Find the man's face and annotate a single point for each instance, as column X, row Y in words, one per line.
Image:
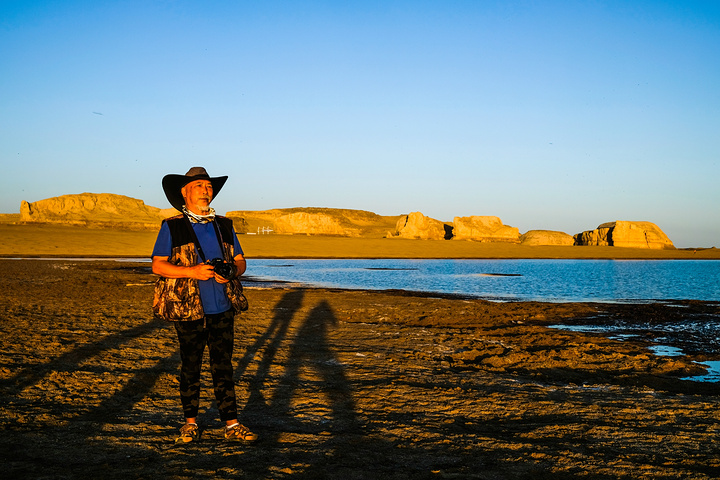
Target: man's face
column 198, row 194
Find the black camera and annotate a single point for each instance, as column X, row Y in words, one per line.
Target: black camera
column 226, row 270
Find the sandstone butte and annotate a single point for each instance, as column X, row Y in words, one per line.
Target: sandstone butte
column 626, row 234
column 546, row 237
column 93, row 209
column 484, row 229
column 118, row 211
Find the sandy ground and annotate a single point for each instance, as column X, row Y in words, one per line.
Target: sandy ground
column 69, row 241
column 344, row 385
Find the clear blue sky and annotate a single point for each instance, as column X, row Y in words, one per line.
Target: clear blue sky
column 556, row 115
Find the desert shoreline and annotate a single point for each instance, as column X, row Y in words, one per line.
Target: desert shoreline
column 54, row 241
column 344, row 384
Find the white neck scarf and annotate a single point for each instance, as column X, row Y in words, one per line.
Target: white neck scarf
column 195, row 218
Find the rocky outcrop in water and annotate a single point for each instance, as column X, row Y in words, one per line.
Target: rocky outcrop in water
column 622, row 233
column 484, row 229
column 546, row 237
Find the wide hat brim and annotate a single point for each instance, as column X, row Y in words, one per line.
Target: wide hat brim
column 173, row 183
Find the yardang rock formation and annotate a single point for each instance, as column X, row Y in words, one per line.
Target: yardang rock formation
column 107, row 210
column 313, row 221
column 418, row 226
column 546, row 237
column 626, row 234
column 94, row 209
column 484, row 229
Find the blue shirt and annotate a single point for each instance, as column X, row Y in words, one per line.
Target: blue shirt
column 212, row 293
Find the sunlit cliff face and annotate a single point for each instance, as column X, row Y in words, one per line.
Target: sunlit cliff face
column 198, row 194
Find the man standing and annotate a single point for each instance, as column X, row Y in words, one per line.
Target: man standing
column 198, row 258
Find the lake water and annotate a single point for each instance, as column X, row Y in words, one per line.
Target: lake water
column 510, row 280
column 632, row 281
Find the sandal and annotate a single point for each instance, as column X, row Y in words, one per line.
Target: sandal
column 239, row 432
column 188, row 433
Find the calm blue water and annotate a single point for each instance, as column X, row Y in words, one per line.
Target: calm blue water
column 511, row 280
column 515, row 280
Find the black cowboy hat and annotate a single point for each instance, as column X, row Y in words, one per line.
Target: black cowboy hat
column 172, row 184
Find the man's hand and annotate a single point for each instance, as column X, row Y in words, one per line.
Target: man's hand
column 161, row 266
column 240, row 265
column 220, row 279
column 202, row 272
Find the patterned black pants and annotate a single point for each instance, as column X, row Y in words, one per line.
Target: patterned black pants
column 216, row 331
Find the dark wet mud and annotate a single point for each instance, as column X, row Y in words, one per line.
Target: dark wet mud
column 346, row 385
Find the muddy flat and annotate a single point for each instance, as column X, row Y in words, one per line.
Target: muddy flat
column 344, row 385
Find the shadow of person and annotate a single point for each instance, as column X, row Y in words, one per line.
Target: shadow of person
column 308, row 399
column 269, row 342
column 310, row 353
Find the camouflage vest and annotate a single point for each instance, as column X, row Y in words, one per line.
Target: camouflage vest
column 178, row 299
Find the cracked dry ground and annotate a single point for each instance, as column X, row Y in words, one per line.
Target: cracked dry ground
column 340, row 384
